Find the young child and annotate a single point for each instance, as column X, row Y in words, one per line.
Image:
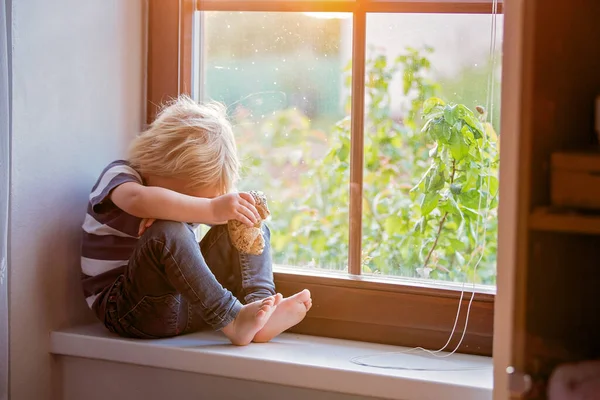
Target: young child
column 144, row 273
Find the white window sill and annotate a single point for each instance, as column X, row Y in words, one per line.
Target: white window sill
column 293, row 360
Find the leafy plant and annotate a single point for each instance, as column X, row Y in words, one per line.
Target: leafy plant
column 457, row 192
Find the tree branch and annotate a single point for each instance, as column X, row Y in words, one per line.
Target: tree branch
column 442, row 221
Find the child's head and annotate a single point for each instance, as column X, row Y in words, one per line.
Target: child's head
column 190, row 142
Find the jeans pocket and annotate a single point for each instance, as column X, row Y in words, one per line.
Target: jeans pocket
column 152, row 317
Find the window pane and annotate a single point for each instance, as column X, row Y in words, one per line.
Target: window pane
column 281, row 76
column 430, row 195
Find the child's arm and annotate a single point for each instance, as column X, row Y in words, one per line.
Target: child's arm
column 153, row 202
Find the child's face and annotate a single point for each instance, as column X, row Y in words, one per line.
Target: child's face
column 181, row 186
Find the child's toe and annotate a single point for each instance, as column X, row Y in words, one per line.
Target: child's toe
column 308, row 304
column 269, row 301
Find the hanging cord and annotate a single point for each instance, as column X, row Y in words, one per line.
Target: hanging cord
column 489, row 106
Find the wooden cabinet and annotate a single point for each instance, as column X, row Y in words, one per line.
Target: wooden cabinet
column 548, row 302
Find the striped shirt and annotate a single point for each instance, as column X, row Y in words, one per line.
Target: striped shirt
column 109, row 233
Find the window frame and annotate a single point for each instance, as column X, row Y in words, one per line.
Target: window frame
column 391, row 311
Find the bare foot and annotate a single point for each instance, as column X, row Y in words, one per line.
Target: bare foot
column 251, row 319
column 289, row 312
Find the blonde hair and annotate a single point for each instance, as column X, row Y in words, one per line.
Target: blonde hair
column 189, row 141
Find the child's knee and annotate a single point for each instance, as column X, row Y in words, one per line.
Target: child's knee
column 217, row 234
column 169, row 229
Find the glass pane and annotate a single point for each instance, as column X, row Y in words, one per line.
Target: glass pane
column 280, row 74
column 430, row 175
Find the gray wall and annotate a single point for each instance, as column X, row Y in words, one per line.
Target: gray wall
column 4, row 183
column 101, row 380
column 77, row 101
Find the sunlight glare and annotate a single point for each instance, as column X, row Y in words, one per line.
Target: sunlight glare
column 328, row 15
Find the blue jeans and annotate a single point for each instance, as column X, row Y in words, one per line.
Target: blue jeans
column 173, row 286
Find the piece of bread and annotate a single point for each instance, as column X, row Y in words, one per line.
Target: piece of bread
column 247, row 239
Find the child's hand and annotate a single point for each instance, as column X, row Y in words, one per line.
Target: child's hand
column 238, row 206
column 145, row 224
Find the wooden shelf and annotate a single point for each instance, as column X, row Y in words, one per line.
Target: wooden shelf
column 562, row 220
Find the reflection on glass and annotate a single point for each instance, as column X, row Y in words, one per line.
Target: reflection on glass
column 281, row 76
column 430, row 175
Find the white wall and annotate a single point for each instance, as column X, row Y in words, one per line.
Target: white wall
column 77, row 101
column 86, row 379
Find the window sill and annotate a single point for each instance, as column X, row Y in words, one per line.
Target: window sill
column 291, row 359
column 406, row 314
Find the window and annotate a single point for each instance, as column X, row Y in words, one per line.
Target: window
column 280, row 74
column 328, row 100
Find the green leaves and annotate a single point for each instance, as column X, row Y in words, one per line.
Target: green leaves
column 429, row 202
column 344, row 151
column 440, row 131
column 436, row 180
column 432, row 104
column 453, row 127
column 458, row 146
column 468, row 117
column 394, row 224
column 455, row 188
